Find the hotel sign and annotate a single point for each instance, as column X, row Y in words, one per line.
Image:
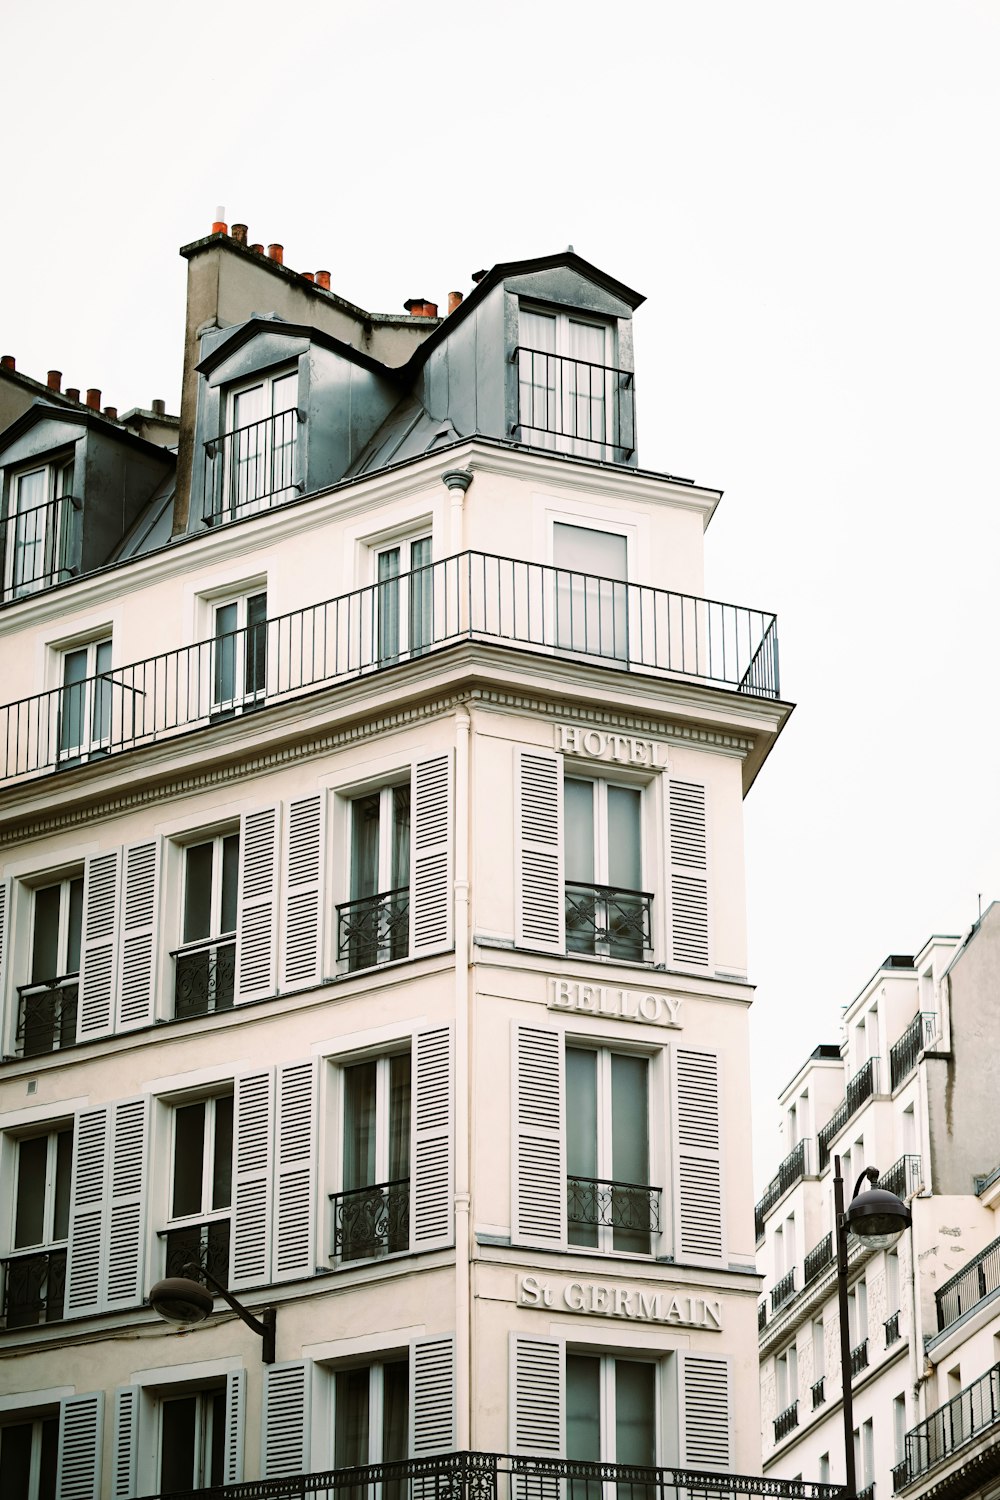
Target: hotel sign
column 615, row 1003
column 609, row 1299
column 619, row 749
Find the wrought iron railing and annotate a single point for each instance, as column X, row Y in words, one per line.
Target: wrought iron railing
column 819, row 1391
column 904, row 1053
column 903, row 1178
column 205, row 1245
column 868, row 1493
column 761, row 1316
column 891, row 1326
column 859, row 1358
column 972, row 1412
column 616, row 1205
column 371, row 1221
column 46, row 1016
column 783, row 1291
column 986, row 1180
column 34, row 1287
column 471, row 596
column 601, row 919
column 39, row 547
column 975, row 1281
column 204, row 977
column 559, row 397
column 859, row 1090
column 791, row 1171
column 252, row 467
column 785, row 1421
column 373, row 929
column 817, row 1259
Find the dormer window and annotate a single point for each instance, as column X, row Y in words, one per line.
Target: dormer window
column 569, row 389
column 40, row 535
column 253, row 464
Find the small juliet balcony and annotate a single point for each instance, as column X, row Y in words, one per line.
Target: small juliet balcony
column 369, row 1222
column 817, row 1259
column 574, row 406
column 783, row 1291
column 46, row 1016
column 252, row 468
column 971, row 1415
column 629, row 1210
column 861, row 1087
column 786, row 1421
column 373, row 930
column 205, row 1244
column 904, row 1053
column 606, row 922
column 40, row 547
column 859, row 1358
column 791, row 1171
column 204, row 977
column 34, row 1287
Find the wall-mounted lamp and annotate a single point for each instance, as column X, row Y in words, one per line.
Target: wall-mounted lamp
column 179, row 1299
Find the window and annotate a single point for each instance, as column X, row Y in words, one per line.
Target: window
column 374, row 926
column 610, row 1204
column 85, row 701
column 568, row 389
column 201, row 1175
column 29, row 1455
column 41, row 532
column 824, row 1468
column 206, row 963
column 786, row 1369
column 405, row 598
column 591, row 590
column 239, row 653
column 192, row 1439
column 47, row 1004
column 610, row 1410
column 899, row 1428
column 35, row 1272
column 259, row 450
column 371, row 1414
column 371, row 1216
column 607, row 912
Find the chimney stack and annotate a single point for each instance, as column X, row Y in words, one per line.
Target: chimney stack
column 454, row 300
column 419, row 307
column 219, row 226
column 72, row 393
column 93, row 398
column 277, row 253
column 54, row 380
column 159, row 406
column 240, row 233
column 323, row 280
column 7, row 362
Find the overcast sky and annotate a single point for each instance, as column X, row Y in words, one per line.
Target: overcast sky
column 807, row 195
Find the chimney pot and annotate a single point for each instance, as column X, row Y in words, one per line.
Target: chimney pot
column 111, row 412
column 240, row 233
column 454, row 300
column 323, row 280
column 7, row 362
column 419, row 307
column 276, row 252
column 478, row 276
column 72, row 392
column 159, row 406
column 54, row 380
column 93, row 398
column 308, row 276
column 257, row 249
column 219, row 224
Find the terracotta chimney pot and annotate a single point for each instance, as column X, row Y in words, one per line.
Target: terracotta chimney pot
column 308, row 276
column 54, row 380
column 455, row 299
column 323, row 280
column 159, row 406
column 93, row 398
column 419, row 307
column 240, row 233
column 276, row 252
column 111, row 412
column 219, row 224
column 7, row 362
column 72, row 393
column 257, row 249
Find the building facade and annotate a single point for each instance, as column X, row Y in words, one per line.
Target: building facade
column 909, row 1090
column 373, row 910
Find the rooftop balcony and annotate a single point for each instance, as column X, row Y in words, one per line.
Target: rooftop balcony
column 972, row 1285
column 860, row 1088
column 473, row 596
column 792, row 1170
column 954, row 1427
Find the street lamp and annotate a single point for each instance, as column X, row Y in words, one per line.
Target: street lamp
column 877, row 1218
column 180, row 1300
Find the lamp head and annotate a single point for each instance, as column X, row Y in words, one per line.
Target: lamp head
column 877, row 1218
column 181, row 1301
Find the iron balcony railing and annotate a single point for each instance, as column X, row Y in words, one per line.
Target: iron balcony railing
column 783, row 1291
column 819, row 1391
column 965, row 1290
column 34, row 1287
column 903, row 1178
column 40, row 547
column 986, row 1180
column 603, row 920
column 473, row 596
column 573, row 399
column 373, row 929
column 46, row 1016
column 904, row 1053
column 785, row 1421
column 891, row 1326
column 868, row 1493
column 371, row 1221
column 499, row 1476
column 252, row 467
column 791, row 1171
column 627, row 1206
column 761, row 1316
column 204, row 977
column 817, row 1259
column 205, row 1244
column 859, row 1358
column 974, row 1411
column 859, row 1090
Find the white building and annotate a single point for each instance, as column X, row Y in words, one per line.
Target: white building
column 372, row 864
column 911, row 1091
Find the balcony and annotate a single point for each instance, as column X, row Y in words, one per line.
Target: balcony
column 868, row 1493
column 859, row 1358
column 786, row 1421
column 783, row 1291
column 34, row 1288
column 608, row 922
column 473, row 596
column 205, row 1244
column 956, row 1424
column 371, row 1221
column 891, row 1327
column 204, row 977
column 970, row 1286
column 859, row 1090
column 630, row 1209
column 46, row 1016
column 903, row 1178
column 904, row 1053
column 818, row 1258
column 761, row 1316
column 40, row 547
column 818, row 1392
column 574, row 406
column 373, row 929
column 252, row 468
column 791, row 1171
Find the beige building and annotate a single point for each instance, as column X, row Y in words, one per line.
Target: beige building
column 374, row 929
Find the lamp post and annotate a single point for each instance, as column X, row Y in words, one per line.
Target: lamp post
column 180, row 1300
column 877, row 1218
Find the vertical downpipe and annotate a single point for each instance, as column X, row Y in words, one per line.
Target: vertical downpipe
column 463, row 1228
column 457, row 481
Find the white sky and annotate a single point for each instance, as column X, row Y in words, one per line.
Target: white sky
column 806, row 193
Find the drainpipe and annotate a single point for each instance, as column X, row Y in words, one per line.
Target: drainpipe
column 463, row 1228
column 457, row 481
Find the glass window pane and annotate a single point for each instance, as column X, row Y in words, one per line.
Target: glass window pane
column 255, row 666
column 64, row 1173
column 45, row 944
column 359, row 1126
column 230, row 881
column 395, row 1401
column 198, row 892
column 388, row 603
column 579, row 822
column 222, row 1161
column 635, row 1412
column 215, row 1405
column 101, row 715
column 29, row 1220
column 351, row 1424
column 581, row 1112
column 15, row 1461
column 583, row 1408
column 624, row 838
column 225, row 654
column 284, row 392
column 399, row 1117
column 189, row 1157
column 75, row 926
column 588, row 551
column 48, row 1469
column 178, row 1429
column 629, row 1118
column 400, row 872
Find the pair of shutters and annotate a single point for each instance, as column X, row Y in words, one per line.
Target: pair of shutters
column 126, row 1480
column 538, row 1112
column 107, row 1227
column 538, row 1402
column 539, row 868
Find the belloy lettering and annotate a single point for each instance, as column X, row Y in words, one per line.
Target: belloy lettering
column 620, row 1004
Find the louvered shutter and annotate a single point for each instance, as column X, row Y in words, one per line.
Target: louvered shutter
column 432, row 1399
column 706, row 1417
column 689, row 931
column 126, row 1452
column 285, row 1430
column 698, row 1156
column 252, row 1134
column 81, row 1433
column 126, row 1212
column 6, row 898
column 432, row 1171
column 236, row 1401
column 84, row 1282
column 257, row 905
column 305, row 858
column 538, row 1190
column 138, row 931
column 539, row 895
column 294, row 1231
column 431, row 856
column 98, row 960
column 537, row 1396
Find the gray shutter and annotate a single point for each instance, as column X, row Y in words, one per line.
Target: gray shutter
column 706, row 1416
column 84, row 1281
column 537, row 1396
column 81, row 1434
column 538, row 1155
column 257, row 905
column 126, row 1452
column 252, row 1133
column 432, row 797
column 236, row 1401
column 432, row 1396
column 305, row 859
column 98, row 960
column 539, row 895
column 285, row 1429
column 127, row 1204
column 432, row 1184
column 689, row 946
column 698, row 1156
column 294, row 1228
column 138, row 931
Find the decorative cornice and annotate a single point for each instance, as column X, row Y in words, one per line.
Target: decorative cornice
column 629, row 723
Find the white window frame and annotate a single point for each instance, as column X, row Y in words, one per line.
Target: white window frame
column 383, row 1061
column 90, row 703
column 242, row 696
column 216, row 937
column 386, row 829
column 233, row 480
column 49, row 1130
column 36, row 1420
column 607, row 1360
column 48, row 533
column 376, row 1399
column 203, row 1392
column 400, row 585
column 202, row 1215
column 560, row 384
column 574, row 771
column 605, row 1140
